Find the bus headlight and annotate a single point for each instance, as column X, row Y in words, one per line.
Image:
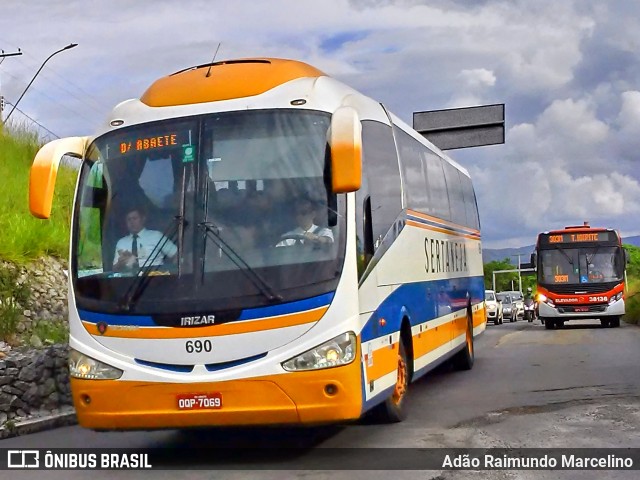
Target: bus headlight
column 615, row 298
column 542, row 297
column 338, row 351
column 87, row 368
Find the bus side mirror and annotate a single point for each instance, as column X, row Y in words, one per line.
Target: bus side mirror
column 345, row 142
column 534, row 260
column 44, row 171
column 627, row 256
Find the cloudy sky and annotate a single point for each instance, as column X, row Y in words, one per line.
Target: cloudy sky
column 568, row 72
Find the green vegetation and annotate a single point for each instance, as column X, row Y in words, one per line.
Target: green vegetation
column 14, row 295
column 633, row 287
column 55, row 331
column 23, row 237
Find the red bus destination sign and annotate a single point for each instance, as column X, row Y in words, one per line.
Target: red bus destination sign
column 578, row 237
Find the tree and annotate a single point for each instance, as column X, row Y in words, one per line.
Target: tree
column 503, row 280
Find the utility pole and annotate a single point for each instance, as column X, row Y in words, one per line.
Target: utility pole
column 2, row 57
column 519, row 275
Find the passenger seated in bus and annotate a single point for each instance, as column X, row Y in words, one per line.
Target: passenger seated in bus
column 306, row 231
column 133, row 250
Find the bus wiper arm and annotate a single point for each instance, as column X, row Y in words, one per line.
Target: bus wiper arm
column 260, row 283
column 141, row 281
column 565, row 255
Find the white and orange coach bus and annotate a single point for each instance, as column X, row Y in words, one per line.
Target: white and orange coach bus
column 254, row 242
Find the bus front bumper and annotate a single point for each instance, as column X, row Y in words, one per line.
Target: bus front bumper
column 563, row 311
column 293, row 398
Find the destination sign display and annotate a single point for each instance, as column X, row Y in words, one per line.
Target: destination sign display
column 141, row 144
column 578, row 237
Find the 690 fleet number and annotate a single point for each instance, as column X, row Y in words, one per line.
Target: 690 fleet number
column 198, row 346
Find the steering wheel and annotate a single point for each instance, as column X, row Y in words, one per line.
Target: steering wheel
column 302, row 241
column 292, row 236
column 297, row 237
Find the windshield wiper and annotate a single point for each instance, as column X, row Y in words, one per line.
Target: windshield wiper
column 589, row 258
column 260, row 283
column 141, row 281
column 565, row 255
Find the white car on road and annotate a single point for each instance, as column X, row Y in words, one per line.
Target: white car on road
column 493, row 307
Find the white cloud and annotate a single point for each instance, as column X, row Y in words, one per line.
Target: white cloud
column 478, row 77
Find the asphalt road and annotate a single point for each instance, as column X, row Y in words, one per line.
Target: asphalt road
column 577, row 387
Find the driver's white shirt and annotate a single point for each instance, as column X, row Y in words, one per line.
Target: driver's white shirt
column 315, row 229
column 147, row 241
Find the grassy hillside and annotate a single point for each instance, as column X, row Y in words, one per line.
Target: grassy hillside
column 23, row 237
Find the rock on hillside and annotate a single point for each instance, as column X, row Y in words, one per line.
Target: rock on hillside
column 48, row 300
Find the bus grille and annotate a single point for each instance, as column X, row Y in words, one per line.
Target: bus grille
column 166, row 366
column 212, row 367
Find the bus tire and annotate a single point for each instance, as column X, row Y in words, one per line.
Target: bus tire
column 615, row 322
column 548, row 324
column 605, row 322
column 393, row 409
column 464, row 359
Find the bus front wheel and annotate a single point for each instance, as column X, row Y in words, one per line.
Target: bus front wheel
column 610, row 322
column 393, row 409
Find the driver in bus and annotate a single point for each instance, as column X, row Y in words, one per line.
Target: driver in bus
column 307, row 232
column 133, row 251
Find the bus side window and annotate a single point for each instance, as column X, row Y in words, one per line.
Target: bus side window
column 415, row 183
column 380, row 182
column 454, row 189
column 439, row 199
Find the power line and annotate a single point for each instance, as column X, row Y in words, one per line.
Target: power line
column 33, row 120
column 84, row 97
column 99, row 107
column 63, row 105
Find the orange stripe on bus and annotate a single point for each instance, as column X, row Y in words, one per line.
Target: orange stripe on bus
column 385, row 360
column 479, row 317
column 431, row 338
column 271, row 323
column 442, row 222
column 441, row 230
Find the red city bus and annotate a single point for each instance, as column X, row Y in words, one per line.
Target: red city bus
column 581, row 275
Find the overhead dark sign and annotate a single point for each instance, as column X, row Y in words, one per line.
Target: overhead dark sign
column 462, row 127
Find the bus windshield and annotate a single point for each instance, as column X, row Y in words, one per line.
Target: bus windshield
column 213, row 213
column 581, row 265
